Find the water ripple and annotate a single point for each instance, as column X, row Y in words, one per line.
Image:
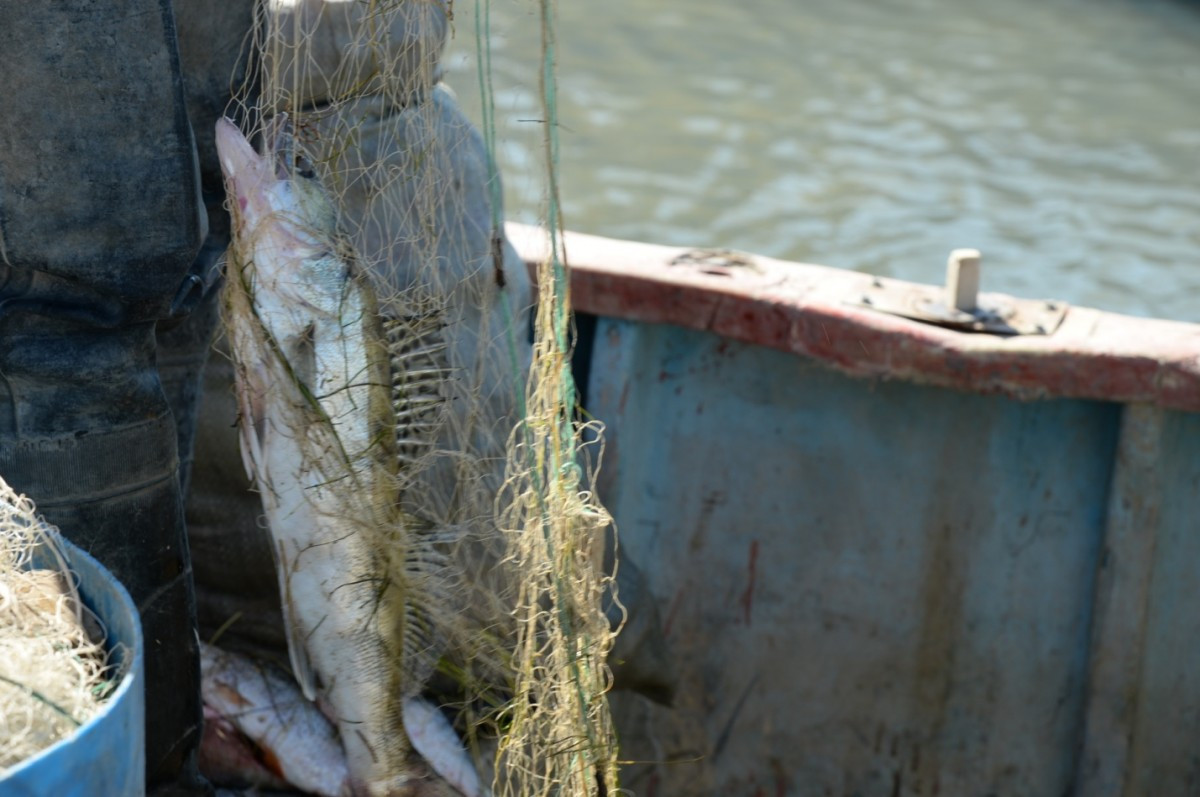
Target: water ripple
column 1061, row 137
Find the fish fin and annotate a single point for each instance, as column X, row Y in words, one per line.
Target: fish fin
column 419, row 372
column 434, row 738
column 302, row 668
column 302, row 359
column 429, row 609
column 252, row 427
column 420, row 369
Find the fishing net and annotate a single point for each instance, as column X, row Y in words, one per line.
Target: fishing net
column 500, row 539
column 53, row 674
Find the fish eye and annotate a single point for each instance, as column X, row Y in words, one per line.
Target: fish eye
column 303, row 167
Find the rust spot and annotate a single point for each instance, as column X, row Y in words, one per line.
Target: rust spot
column 748, row 595
column 943, row 584
column 782, row 783
column 708, row 505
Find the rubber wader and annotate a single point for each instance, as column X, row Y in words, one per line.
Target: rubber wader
column 100, row 222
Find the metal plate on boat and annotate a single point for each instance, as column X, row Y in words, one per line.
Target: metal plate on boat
column 994, row 314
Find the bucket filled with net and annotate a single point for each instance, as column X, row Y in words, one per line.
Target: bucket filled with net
column 71, row 703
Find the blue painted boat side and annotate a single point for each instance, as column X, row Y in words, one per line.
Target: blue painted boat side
column 878, row 587
column 1163, row 705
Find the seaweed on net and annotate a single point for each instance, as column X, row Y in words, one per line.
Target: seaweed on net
column 486, row 445
column 54, row 670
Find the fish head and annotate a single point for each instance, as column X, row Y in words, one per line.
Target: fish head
column 278, row 186
column 283, row 221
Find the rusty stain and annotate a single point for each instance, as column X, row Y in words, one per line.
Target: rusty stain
column 941, row 598
column 782, row 782
column 748, row 595
column 708, row 504
column 652, row 785
column 614, row 336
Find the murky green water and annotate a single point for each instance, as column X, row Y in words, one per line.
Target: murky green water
column 1060, row 137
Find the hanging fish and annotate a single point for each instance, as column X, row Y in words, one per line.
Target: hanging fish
column 334, row 400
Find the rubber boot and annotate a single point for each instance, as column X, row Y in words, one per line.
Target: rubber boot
column 185, row 341
column 212, row 52
column 99, row 224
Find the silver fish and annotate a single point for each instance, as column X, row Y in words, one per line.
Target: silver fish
column 298, row 742
column 315, row 386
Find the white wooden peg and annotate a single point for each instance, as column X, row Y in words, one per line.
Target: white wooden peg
column 962, row 279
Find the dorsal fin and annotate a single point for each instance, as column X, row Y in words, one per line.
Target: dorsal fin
column 420, row 369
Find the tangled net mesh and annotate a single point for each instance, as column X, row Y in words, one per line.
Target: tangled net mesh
column 493, row 462
column 54, row 672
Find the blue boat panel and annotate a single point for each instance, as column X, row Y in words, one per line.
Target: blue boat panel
column 1165, row 713
column 869, row 587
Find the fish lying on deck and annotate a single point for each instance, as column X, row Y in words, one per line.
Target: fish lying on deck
column 320, row 385
column 298, row 745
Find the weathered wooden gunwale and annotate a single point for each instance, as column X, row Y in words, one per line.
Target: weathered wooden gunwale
column 803, row 308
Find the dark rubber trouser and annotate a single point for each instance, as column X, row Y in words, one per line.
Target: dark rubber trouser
column 100, row 221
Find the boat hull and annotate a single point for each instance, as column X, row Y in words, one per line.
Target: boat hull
column 903, row 560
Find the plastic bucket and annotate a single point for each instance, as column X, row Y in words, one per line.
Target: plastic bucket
column 106, row 756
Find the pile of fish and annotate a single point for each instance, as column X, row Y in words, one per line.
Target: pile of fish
column 333, row 399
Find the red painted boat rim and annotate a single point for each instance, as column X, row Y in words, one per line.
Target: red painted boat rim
column 804, row 309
